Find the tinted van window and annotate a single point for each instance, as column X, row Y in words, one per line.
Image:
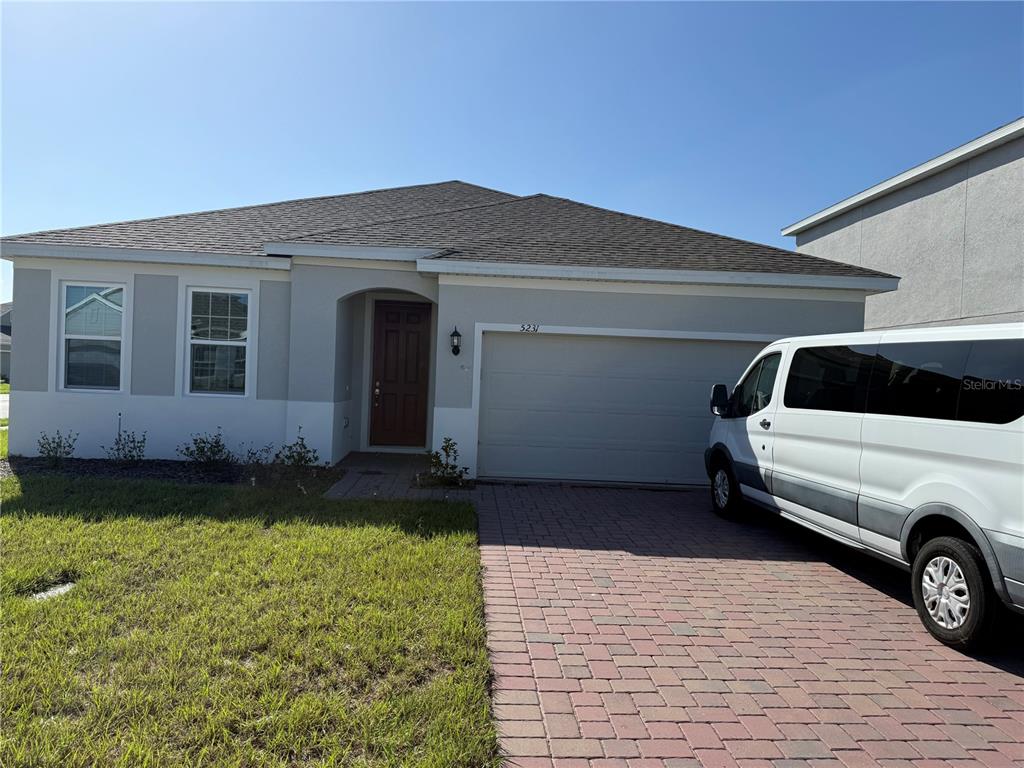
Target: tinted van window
column 829, row 378
column 992, row 390
column 766, row 381
column 920, row 379
column 745, row 392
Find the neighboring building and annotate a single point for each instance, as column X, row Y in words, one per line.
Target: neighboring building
column 952, row 229
column 6, row 310
column 589, row 339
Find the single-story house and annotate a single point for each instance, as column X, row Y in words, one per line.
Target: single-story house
column 952, row 228
column 549, row 338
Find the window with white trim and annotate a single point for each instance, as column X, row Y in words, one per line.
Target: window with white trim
column 218, row 341
column 93, row 325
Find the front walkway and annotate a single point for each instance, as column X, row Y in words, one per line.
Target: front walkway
column 389, row 476
column 635, row 628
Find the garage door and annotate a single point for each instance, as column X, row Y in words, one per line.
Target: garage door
column 600, row 408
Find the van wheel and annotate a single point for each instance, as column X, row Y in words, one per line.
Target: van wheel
column 951, row 592
column 725, row 491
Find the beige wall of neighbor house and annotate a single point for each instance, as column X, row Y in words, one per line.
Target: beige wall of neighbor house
column 954, row 237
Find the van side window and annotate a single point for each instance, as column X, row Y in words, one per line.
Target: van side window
column 830, row 378
column 766, row 381
column 919, row 379
column 992, row 390
column 754, row 393
column 743, row 396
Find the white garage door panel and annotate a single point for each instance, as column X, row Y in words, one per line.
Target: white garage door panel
column 598, row 408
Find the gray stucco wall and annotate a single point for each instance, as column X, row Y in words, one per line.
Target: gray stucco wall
column 464, row 306
column 315, row 320
column 956, row 239
column 30, row 346
column 154, row 334
column 273, row 338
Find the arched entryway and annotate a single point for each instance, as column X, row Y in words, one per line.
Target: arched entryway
column 384, row 362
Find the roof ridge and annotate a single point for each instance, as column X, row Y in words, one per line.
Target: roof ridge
column 171, row 216
column 515, row 199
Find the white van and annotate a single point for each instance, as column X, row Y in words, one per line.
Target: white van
column 908, row 444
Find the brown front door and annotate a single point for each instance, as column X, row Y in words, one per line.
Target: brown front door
column 401, row 372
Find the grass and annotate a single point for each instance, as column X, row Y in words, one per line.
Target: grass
column 228, row 626
column 5, row 388
column 3, row 444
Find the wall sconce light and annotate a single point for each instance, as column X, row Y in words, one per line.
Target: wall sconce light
column 456, row 341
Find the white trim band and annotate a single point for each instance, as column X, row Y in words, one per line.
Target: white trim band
column 702, row 277
column 95, row 253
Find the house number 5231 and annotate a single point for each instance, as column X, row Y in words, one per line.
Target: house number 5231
column 529, row 328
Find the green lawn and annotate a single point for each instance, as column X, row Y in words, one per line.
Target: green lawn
column 5, row 388
column 227, row 626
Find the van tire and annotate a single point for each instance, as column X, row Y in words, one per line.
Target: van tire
column 944, row 562
column 726, row 499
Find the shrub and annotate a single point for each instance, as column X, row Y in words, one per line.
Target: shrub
column 207, row 449
column 255, row 457
column 128, row 448
column 58, row 447
column 297, row 454
column 444, row 464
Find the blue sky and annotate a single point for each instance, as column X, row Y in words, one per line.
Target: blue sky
column 735, row 118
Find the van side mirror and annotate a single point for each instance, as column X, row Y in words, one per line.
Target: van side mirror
column 719, row 399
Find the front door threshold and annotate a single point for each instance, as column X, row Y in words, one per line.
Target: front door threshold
column 394, row 449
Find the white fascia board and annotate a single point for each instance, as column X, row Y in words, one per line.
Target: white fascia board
column 325, row 250
column 152, row 256
column 701, row 277
column 970, row 149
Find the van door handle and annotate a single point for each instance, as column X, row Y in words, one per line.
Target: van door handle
column 765, row 423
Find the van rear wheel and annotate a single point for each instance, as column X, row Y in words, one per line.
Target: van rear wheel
column 725, row 491
column 951, row 593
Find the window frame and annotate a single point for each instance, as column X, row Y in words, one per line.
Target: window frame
column 124, row 338
column 189, row 341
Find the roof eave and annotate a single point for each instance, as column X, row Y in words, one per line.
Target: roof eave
column 867, row 283
column 10, row 249
column 971, row 149
column 328, row 250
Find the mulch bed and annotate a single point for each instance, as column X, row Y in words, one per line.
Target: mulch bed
column 151, row 469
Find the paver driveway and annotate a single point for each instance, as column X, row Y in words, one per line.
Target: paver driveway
column 635, row 628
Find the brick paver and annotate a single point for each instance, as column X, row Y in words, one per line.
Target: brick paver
column 633, row 628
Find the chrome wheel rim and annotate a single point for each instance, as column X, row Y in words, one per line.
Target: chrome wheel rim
column 721, row 489
column 945, row 591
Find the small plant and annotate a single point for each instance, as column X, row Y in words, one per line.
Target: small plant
column 254, row 461
column 255, row 457
column 207, row 449
column 57, row 447
column 128, row 448
column 444, row 464
column 297, row 454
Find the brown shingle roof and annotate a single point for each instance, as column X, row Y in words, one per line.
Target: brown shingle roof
column 541, row 229
column 462, row 222
column 244, row 230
